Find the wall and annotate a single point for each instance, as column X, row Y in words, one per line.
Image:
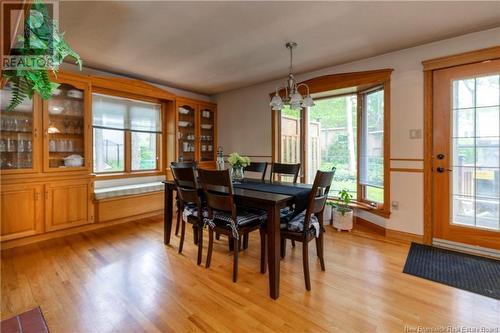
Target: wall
column 245, row 113
column 179, row 92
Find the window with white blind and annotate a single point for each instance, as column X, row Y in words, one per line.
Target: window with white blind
column 126, row 134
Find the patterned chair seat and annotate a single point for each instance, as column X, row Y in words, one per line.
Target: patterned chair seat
column 244, row 217
column 192, row 210
column 296, row 224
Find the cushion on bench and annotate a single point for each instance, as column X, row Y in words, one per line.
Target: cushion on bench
column 131, row 189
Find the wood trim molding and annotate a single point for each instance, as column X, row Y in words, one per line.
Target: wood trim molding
column 490, row 53
column 131, row 86
column 406, row 170
column 403, row 236
column 345, row 80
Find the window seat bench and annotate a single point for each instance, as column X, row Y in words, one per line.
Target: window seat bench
column 128, row 198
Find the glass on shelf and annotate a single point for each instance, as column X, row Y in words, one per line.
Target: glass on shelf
column 66, row 127
column 207, row 125
column 16, row 132
column 186, row 129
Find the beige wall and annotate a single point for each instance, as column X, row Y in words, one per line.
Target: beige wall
column 245, row 118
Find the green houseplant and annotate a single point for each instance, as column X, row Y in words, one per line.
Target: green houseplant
column 237, row 163
column 343, row 215
column 26, row 79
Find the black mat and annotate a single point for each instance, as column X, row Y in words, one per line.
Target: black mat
column 464, row 271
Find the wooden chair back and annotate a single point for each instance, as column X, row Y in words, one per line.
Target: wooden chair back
column 218, row 189
column 186, row 184
column 285, row 169
column 260, row 167
column 318, row 196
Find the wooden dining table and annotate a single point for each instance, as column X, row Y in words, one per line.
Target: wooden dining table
column 266, row 200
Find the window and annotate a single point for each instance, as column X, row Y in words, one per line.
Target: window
column 332, row 141
column 125, row 127
column 346, row 129
column 371, row 162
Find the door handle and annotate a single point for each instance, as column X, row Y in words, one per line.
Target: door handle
column 440, row 169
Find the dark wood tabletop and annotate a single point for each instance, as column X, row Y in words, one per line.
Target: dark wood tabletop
column 271, row 202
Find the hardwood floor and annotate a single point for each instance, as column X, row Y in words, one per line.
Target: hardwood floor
column 123, row 279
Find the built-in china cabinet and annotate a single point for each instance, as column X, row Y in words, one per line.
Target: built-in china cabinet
column 45, row 160
column 46, row 157
column 196, row 131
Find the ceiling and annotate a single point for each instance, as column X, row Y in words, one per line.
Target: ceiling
column 212, row 47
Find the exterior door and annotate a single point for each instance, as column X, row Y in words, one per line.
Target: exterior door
column 466, row 154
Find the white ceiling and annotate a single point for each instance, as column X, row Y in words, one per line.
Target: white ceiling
column 211, row 47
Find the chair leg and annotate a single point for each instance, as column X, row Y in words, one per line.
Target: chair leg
column 178, row 221
column 293, row 243
column 183, row 232
column 210, row 247
column 320, row 244
column 245, row 242
column 263, row 255
column 305, row 261
column 236, row 246
column 282, row 247
column 195, row 234
column 199, row 231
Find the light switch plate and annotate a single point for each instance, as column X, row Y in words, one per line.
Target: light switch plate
column 416, row 133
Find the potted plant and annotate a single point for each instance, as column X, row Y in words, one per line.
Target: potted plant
column 237, row 163
column 343, row 214
column 26, row 79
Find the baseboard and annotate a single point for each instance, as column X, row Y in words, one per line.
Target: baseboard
column 387, row 233
column 365, row 224
column 471, row 249
column 71, row 231
column 404, row 236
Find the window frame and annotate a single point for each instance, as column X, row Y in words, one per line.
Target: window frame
column 127, row 147
column 362, row 82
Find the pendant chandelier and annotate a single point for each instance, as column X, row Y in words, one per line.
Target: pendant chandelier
column 293, row 98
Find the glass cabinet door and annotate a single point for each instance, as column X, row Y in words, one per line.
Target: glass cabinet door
column 65, row 128
column 17, row 134
column 186, row 132
column 207, row 134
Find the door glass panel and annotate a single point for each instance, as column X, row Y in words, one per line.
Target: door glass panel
column 476, row 152
column 66, row 127
column 16, row 135
column 207, row 130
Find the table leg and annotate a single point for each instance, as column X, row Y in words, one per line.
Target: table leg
column 273, row 254
column 167, row 214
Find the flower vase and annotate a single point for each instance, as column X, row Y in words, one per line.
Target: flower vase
column 237, row 172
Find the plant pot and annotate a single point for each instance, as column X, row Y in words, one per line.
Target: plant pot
column 343, row 222
column 327, row 215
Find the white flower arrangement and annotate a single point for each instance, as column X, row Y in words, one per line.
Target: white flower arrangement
column 237, row 161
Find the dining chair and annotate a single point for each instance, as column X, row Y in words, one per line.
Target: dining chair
column 285, row 169
column 191, row 164
column 227, row 219
column 190, row 204
column 260, row 167
column 308, row 225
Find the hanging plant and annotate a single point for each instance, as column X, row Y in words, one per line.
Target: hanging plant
column 26, row 79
